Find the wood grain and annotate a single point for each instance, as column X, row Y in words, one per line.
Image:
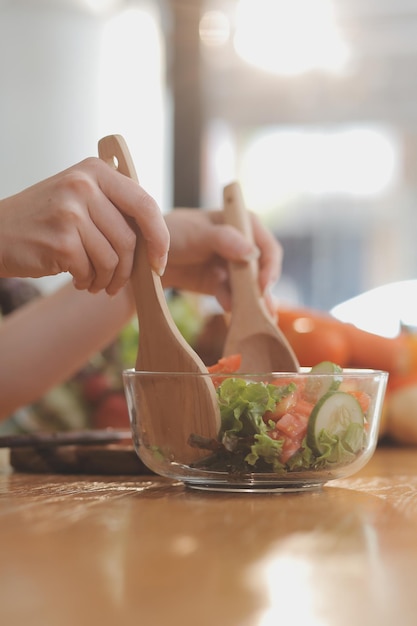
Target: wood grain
column 145, row 550
column 252, row 332
column 170, row 407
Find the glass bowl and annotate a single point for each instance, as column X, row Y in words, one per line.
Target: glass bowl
column 274, row 432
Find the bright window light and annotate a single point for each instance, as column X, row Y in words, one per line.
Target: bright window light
column 132, row 92
column 284, row 574
column 382, row 310
column 290, row 36
column 98, row 6
column 220, row 166
column 214, row 28
column 279, row 165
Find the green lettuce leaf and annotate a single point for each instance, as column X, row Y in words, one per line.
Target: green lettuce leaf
column 303, row 459
column 267, row 449
column 242, row 405
column 339, row 449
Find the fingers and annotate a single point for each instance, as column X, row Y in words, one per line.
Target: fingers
column 106, row 269
column 112, row 245
column 135, row 203
column 230, row 244
column 84, row 221
column 221, row 290
column 111, row 207
column 202, row 246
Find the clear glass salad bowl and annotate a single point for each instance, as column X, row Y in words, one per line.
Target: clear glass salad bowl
column 274, row 432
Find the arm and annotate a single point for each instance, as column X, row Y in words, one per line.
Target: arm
column 48, row 340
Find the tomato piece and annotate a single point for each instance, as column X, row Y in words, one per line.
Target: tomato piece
column 281, row 408
column 289, row 448
column 293, row 425
column 303, row 408
column 226, row 365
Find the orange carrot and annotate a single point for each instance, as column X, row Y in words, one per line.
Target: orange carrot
column 316, row 336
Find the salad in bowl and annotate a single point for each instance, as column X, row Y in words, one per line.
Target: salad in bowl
column 278, row 431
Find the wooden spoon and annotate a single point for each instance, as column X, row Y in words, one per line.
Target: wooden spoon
column 172, row 407
column 252, row 332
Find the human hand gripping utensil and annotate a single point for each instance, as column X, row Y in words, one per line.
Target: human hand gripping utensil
column 187, row 403
column 252, row 331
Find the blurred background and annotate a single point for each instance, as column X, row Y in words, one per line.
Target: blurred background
column 311, row 104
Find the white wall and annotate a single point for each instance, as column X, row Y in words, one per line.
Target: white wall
column 48, row 82
column 61, row 65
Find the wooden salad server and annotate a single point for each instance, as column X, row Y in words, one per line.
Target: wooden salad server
column 252, row 331
column 188, row 404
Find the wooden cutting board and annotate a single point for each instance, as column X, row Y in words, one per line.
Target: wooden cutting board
column 108, row 452
column 109, row 459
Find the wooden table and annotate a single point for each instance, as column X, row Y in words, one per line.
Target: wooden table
column 145, row 551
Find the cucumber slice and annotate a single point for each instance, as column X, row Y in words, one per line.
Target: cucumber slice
column 334, row 413
column 317, row 387
column 326, row 367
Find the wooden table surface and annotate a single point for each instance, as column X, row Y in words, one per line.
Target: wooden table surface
column 146, row 551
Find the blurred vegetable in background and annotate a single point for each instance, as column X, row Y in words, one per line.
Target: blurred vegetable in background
column 187, row 315
column 14, row 292
column 93, row 398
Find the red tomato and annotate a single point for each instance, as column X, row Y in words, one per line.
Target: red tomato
column 281, row 408
column 111, row 412
column 303, row 408
column 225, row 365
column 289, row 448
column 292, row 425
column 95, row 385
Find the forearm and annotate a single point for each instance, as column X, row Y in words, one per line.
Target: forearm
column 51, row 338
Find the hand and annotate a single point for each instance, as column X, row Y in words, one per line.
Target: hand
column 78, row 222
column 202, row 245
